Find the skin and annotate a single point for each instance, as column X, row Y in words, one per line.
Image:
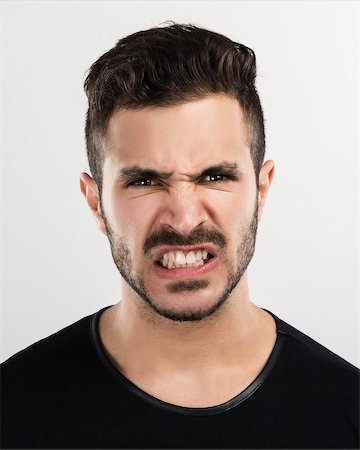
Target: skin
column 181, row 340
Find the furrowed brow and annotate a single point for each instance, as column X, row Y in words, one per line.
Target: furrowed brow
column 135, row 172
column 227, row 168
column 130, row 173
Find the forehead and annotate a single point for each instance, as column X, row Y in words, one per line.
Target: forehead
column 180, row 138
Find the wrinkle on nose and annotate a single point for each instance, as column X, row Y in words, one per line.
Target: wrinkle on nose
column 183, row 210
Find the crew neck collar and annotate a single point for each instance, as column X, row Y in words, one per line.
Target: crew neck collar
column 211, row 410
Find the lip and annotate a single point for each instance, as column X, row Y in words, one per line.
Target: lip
column 185, row 248
column 186, row 272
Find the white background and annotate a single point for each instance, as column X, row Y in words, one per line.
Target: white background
column 56, row 265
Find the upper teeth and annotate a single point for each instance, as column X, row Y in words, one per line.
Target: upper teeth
column 179, row 259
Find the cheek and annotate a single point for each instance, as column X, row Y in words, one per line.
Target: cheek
column 134, row 217
column 140, row 212
column 230, row 210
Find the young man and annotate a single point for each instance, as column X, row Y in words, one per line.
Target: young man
column 175, row 142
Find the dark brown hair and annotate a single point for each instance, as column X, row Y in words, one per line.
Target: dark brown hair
column 165, row 66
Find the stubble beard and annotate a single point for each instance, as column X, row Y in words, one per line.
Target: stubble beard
column 123, row 261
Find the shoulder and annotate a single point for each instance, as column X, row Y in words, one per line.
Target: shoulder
column 315, row 351
column 46, row 386
column 50, row 356
column 311, row 364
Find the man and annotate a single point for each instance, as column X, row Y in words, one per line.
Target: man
column 175, row 142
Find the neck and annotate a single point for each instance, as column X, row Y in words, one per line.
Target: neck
column 228, row 337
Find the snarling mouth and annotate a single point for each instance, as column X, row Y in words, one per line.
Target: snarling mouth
column 179, row 259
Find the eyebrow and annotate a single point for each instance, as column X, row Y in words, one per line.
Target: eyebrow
column 125, row 174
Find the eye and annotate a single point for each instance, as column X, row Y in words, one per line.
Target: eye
column 216, row 177
column 141, row 182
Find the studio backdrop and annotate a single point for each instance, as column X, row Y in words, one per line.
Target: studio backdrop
column 57, row 266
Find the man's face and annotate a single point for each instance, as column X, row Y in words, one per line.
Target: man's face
column 197, row 203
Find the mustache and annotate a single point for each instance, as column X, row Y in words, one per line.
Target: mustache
column 196, row 237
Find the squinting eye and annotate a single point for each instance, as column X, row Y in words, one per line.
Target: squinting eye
column 143, row 182
column 215, row 177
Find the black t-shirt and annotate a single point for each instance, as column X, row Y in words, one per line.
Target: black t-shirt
column 63, row 392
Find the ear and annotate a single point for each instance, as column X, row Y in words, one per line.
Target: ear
column 90, row 191
column 265, row 179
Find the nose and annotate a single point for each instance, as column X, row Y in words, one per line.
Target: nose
column 183, row 210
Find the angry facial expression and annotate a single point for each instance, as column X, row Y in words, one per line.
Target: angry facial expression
column 180, row 204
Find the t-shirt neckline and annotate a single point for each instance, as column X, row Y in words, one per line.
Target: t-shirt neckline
column 211, row 410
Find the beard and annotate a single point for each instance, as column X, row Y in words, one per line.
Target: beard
column 123, row 261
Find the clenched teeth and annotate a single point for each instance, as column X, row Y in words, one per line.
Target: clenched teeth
column 179, row 259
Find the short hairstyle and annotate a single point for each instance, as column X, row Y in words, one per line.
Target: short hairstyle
column 166, row 66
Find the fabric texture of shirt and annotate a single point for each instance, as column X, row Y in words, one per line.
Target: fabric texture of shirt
column 64, row 392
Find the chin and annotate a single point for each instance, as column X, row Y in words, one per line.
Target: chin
column 188, row 308
column 188, row 314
